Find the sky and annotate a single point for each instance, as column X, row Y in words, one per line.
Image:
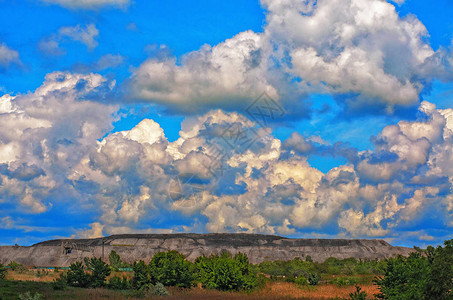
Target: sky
column 298, row 118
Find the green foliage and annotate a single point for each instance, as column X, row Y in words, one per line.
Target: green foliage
column 115, row 261
column 17, row 267
column 160, row 290
column 60, row 283
column 228, row 274
column 405, row 278
column 425, row 274
column 141, row 275
column 358, row 294
column 314, row 278
column 171, row 269
column 440, row 283
column 31, row 296
column 77, row 277
column 99, row 271
column 313, row 270
column 225, row 273
column 345, row 281
column 301, row 280
column 3, row 271
column 117, row 283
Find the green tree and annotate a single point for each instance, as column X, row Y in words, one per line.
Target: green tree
column 225, row 273
column 171, row 269
column 141, row 275
column 99, row 271
column 405, row 278
column 440, row 282
column 115, row 261
column 77, row 277
column 229, row 276
column 117, row 283
column 206, row 272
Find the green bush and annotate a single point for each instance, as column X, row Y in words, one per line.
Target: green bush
column 301, row 280
column 171, row 269
column 423, row 275
column 117, row 283
column 141, row 275
column 358, row 294
column 60, row 283
column 17, row 267
column 160, row 290
column 345, row 281
column 99, row 271
column 3, row 271
column 440, row 283
column 77, row 277
column 405, row 278
column 314, row 278
column 225, row 272
column 115, row 261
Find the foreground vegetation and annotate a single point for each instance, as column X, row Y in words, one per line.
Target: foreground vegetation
column 425, row 274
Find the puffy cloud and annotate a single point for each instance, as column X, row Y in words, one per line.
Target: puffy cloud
column 360, row 51
column 349, row 46
column 267, row 188
column 8, row 56
column 45, row 133
column 88, row 4
column 54, row 140
column 96, row 231
column 228, row 72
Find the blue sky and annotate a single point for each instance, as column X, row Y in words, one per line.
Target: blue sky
column 113, row 112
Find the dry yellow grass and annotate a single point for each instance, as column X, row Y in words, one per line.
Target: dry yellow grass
column 32, row 275
column 326, row 291
column 272, row 291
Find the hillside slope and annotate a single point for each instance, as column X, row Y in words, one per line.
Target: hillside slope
column 133, row 247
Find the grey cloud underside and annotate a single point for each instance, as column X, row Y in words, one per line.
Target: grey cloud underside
column 51, row 141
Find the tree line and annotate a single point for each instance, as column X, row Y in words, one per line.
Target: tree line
column 424, row 274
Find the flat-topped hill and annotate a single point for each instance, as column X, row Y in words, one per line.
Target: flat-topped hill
column 133, row 247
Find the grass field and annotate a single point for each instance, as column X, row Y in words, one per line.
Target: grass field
column 18, row 283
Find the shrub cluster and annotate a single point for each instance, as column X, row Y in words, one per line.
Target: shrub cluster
column 17, row 267
column 3, row 271
column 78, row 277
column 297, row 270
column 224, row 272
column 115, row 262
column 423, row 275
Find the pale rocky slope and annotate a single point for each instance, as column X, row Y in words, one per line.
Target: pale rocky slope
column 133, row 247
